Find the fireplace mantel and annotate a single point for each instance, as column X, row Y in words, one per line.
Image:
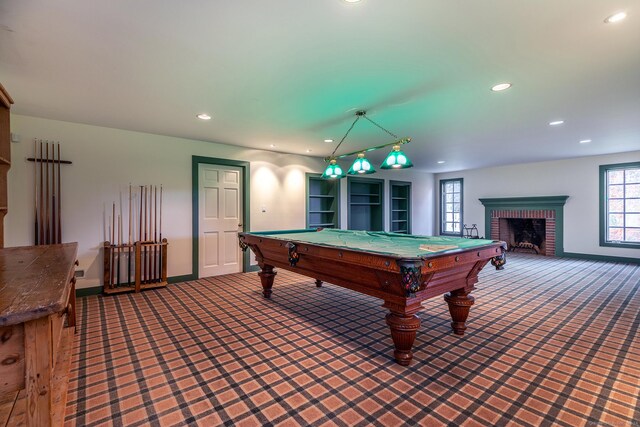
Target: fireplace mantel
column 548, row 207
column 536, row 202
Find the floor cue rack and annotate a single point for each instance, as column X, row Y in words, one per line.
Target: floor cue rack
column 134, row 265
column 141, row 265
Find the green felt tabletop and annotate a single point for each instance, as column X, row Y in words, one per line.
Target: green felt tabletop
column 400, row 245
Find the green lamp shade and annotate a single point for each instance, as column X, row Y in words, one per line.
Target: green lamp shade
column 333, row 171
column 361, row 166
column 396, row 160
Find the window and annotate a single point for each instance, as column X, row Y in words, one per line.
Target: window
column 620, row 205
column 451, row 207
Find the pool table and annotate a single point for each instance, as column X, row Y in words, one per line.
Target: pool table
column 403, row 270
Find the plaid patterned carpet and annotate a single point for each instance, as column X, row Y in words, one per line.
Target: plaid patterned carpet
column 549, row 342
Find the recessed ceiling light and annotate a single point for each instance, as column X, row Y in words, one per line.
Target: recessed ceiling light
column 585, row 141
column 616, row 17
column 204, row 116
column 272, row 145
column 556, row 123
column 440, row 162
column 352, row 1
column 328, row 140
column 501, row 86
column 308, row 151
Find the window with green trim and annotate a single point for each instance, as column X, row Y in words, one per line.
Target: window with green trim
column 620, row 205
column 451, row 207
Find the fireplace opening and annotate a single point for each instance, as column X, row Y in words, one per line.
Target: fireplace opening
column 524, row 234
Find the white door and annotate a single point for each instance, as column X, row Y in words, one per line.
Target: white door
column 220, row 219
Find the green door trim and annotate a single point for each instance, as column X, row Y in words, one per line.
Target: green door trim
column 196, row 161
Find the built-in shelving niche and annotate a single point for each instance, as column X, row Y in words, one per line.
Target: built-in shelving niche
column 323, row 202
column 366, row 204
column 400, row 209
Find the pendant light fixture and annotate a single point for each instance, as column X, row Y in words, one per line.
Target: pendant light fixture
column 396, row 159
column 361, row 166
column 333, row 170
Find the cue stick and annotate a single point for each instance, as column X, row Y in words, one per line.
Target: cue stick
column 161, row 245
column 49, row 194
column 146, row 232
column 52, row 228
column 143, row 199
column 149, row 225
column 129, row 247
column 46, row 183
column 155, row 232
column 119, row 247
column 59, row 239
column 148, row 239
column 113, row 242
column 150, row 219
column 108, row 236
column 140, row 224
column 35, row 188
column 53, row 195
column 146, row 225
column 41, row 213
column 140, row 217
column 142, row 228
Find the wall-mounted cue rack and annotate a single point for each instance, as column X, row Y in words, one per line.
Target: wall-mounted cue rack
column 139, row 264
column 47, row 192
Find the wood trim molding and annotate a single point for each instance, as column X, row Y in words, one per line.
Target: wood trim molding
column 604, row 258
column 5, row 98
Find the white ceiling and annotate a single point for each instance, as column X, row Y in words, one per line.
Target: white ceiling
column 293, row 72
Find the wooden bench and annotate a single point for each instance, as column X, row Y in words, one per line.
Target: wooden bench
column 37, row 325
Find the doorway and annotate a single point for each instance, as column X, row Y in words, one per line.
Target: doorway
column 220, row 211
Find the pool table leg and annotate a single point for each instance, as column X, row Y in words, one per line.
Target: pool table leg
column 318, row 283
column 459, row 302
column 266, row 278
column 403, row 323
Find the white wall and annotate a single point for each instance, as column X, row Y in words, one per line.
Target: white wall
column 106, row 160
column 577, row 178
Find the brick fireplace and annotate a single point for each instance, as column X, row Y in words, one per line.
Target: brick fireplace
column 544, row 214
column 501, row 228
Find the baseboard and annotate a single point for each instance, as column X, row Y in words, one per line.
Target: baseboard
column 183, row 278
column 601, row 258
column 86, row 292
column 97, row 290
